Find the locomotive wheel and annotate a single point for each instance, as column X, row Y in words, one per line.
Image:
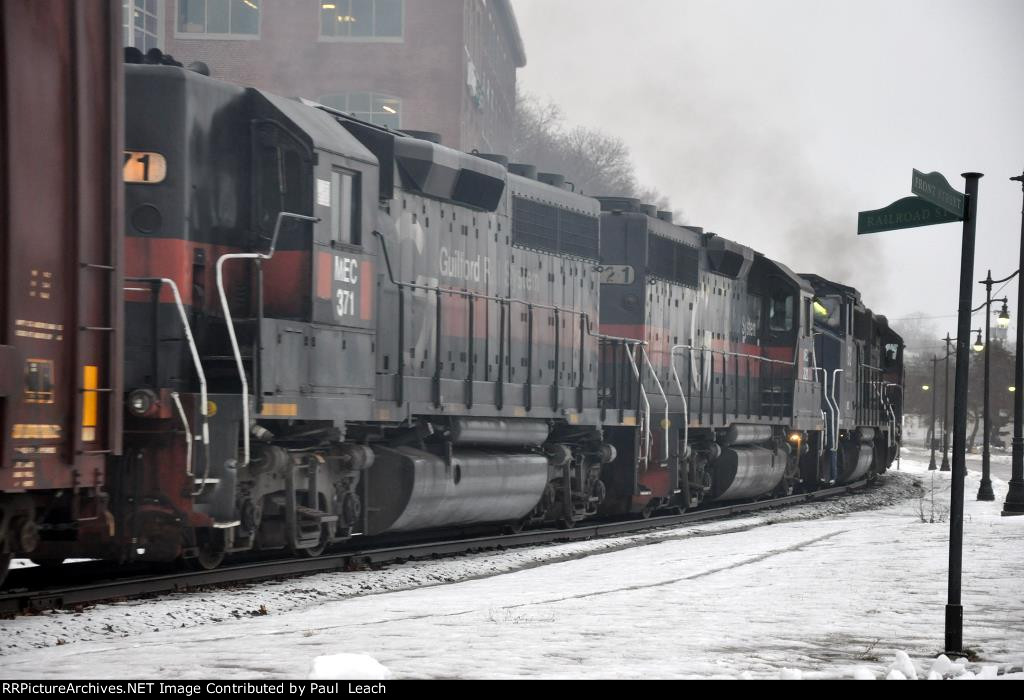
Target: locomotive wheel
column 314, row 552
column 209, row 552
column 206, row 559
column 5, row 565
column 512, row 528
column 565, row 524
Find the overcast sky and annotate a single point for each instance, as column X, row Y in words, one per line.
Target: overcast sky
column 773, row 122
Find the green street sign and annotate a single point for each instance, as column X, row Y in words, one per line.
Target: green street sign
column 935, row 189
column 910, row 212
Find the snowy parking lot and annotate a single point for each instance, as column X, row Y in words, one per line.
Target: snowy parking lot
column 839, row 589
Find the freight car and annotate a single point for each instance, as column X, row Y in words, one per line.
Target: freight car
column 61, row 394
column 336, row 330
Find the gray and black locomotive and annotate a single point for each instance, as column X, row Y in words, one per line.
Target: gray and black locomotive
column 336, row 330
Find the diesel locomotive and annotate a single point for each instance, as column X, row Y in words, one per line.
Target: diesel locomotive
column 327, row 329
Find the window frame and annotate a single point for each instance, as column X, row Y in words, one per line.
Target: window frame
column 364, row 115
column 129, row 7
column 334, row 38
column 355, row 227
column 199, row 36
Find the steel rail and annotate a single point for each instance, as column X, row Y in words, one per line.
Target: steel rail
column 20, row 601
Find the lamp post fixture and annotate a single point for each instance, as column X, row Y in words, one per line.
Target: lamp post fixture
column 1015, row 497
column 935, row 369
column 985, row 492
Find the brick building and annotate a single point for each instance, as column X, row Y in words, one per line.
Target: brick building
column 436, row 65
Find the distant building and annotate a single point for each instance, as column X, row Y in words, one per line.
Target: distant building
column 436, row 65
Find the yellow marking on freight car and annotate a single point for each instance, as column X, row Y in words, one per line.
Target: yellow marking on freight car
column 629, row 421
column 383, row 415
column 90, row 402
column 26, row 431
column 280, row 410
column 520, row 413
column 574, row 419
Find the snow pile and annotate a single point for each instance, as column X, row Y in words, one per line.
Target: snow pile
column 348, row 667
column 944, row 668
column 902, row 668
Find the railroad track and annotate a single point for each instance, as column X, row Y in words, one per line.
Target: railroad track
column 15, row 601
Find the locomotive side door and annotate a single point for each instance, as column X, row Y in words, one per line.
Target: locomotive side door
column 342, row 342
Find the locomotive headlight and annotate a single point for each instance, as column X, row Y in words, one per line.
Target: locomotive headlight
column 795, row 438
column 141, row 402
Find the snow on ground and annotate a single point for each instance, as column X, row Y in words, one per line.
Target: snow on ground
column 217, row 606
column 827, row 590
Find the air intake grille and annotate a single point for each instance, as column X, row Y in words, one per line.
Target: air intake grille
column 544, row 227
column 673, row 261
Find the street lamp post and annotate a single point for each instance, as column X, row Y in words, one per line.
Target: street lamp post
column 985, row 492
column 935, row 370
column 945, row 409
column 1015, row 497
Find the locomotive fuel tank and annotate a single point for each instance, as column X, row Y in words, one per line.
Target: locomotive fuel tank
column 747, row 435
column 856, row 456
column 497, row 431
column 747, row 472
column 411, row 489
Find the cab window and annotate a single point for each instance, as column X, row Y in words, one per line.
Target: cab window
column 345, row 210
column 780, row 311
column 891, row 355
column 828, row 313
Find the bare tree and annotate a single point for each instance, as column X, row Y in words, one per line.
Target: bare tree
column 596, row 162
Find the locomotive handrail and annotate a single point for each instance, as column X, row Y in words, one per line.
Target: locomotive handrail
column 176, row 398
column 682, row 395
column 229, row 321
column 729, row 353
column 666, row 423
column 831, row 407
column 839, row 412
column 892, row 414
column 200, row 375
column 645, row 415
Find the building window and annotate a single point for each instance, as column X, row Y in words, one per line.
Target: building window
column 368, row 106
column 361, row 19
column 222, row 18
column 142, row 23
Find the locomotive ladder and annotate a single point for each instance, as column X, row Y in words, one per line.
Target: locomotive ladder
column 87, row 409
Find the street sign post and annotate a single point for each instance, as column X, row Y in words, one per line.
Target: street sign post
column 936, row 202
column 909, row 212
column 935, row 189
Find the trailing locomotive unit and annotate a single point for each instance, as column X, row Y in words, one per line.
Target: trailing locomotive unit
column 60, row 288
column 730, row 369
column 335, row 329
column 861, row 360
